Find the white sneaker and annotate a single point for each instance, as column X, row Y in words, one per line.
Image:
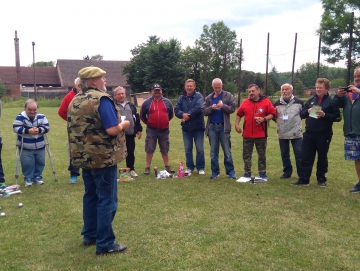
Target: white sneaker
column 188, row 171
column 201, row 172
column 38, row 180
column 133, row 174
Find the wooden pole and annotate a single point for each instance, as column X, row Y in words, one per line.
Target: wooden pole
column 318, row 62
column 205, row 73
column 224, row 65
column 350, row 49
column 293, row 64
column 239, row 75
column 267, row 64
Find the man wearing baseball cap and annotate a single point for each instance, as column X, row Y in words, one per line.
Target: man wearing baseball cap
column 97, row 145
column 156, row 112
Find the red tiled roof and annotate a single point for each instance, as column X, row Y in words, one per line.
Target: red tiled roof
column 64, row 73
column 44, row 75
column 69, row 68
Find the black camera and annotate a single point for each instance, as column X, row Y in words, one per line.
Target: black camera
column 346, row 89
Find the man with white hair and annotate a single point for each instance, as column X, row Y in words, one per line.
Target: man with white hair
column 218, row 106
column 97, row 145
column 128, row 110
column 289, row 128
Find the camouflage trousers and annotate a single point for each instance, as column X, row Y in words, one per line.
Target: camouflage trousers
column 248, row 146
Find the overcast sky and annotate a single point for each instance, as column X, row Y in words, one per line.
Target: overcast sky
column 73, row 29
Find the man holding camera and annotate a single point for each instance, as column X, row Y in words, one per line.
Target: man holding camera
column 347, row 98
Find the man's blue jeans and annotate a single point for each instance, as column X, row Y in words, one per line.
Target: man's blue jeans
column 99, row 206
column 32, row 163
column 285, row 154
column 216, row 136
column 198, row 138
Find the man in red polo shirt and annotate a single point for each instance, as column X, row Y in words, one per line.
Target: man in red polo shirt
column 257, row 110
column 156, row 112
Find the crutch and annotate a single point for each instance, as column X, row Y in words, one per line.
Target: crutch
column 18, row 151
column 47, row 146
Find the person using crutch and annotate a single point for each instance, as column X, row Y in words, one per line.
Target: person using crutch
column 30, row 127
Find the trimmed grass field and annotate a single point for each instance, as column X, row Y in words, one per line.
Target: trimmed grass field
column 193, row 223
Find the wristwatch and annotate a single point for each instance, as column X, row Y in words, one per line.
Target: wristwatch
column 265, row 120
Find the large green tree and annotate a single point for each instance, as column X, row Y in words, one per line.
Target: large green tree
column 156, row 61
column 219, row 53
column 307, row 73
column 191, row 60
column 299, row 87
column 338, row 82
column 335, row 29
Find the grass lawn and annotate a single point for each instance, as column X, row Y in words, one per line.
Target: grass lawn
column 192, row 223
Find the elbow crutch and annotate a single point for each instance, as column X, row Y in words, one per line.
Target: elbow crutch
column 47, row 146
column 18, row 151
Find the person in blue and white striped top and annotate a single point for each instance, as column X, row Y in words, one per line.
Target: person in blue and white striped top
column 30, row 127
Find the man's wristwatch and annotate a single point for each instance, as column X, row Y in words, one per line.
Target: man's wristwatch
column 265, row 120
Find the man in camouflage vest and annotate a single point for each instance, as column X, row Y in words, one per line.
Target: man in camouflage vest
column 97, row 145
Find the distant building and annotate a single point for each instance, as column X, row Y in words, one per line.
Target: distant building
column 56, row 81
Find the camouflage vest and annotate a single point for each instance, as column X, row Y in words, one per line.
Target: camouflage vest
column 90, row 145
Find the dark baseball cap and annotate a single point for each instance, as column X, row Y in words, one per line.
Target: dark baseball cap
column 156, row 86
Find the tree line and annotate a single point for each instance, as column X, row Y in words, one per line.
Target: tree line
column 216, row 53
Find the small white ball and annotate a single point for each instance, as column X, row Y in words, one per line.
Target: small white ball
column 20, row 205
column 2, row 214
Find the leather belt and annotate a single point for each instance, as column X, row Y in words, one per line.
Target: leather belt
column 218, row 124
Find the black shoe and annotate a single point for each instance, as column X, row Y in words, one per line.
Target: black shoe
column 116, row 249
column 322, row 181
column 285, row 176
column 89, row 243
column 300, row 183
column 355, row 189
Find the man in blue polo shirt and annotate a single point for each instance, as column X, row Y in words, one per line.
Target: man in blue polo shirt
column 218, row 106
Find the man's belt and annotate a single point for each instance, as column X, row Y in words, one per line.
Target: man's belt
column 217, row 123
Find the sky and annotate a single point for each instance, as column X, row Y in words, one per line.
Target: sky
column 73, row 29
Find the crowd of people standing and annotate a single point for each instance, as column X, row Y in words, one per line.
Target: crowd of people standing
column 102, row 131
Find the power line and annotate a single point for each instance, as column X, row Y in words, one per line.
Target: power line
column 296, row 52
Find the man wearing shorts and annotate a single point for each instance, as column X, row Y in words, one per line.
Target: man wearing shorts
column 349, row 101
column 156, row 112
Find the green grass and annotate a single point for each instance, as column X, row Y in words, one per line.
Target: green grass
column 184, row 224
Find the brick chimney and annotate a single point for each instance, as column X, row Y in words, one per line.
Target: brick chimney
column 17, row 59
